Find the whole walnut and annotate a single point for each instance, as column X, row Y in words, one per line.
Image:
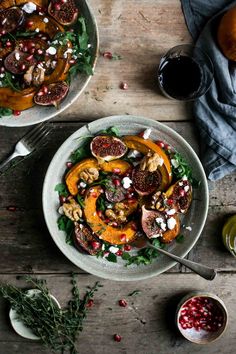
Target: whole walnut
column 89, row 175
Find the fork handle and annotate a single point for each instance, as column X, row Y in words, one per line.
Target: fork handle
column 11, row 157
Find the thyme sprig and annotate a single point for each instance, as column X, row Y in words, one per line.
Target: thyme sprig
column 57, row 328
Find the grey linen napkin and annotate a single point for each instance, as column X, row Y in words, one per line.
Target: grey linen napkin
column 215, row 112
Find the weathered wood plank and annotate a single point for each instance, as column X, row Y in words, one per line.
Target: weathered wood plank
column 146, row 324
column 139, row 31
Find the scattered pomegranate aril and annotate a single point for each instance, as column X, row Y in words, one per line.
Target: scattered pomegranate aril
column 69, row 164
column 57, row 7
column 107, row 55
column 30, row 57
column 123, row 303
column 116, row 170
column 99, row 213
column 94, row 194
column 90, row 303
column 119, row 253
column 62, row 199
column 116, row 182
column 123, row 237
column 8, row 44
column 160, row 143
column 117, row 338
column 29, row 24
column 124, row 86
column 127, row 248
column 23, row 67
column 16, row 113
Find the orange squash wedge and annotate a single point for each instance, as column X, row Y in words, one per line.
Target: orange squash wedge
column 17, row 100
column 72, row 177
column 144, row 146
column 105, row 232
column 170, row 235
column 51, row 28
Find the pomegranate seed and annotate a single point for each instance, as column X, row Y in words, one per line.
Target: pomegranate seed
column 123, row 303
column 8, row 44
column 117, row 338
column 160, row 143
column 44, row 89
column 32, row 50
column 127, row 248
column 29, row 24
column 11, row 208
column 25, row 49
column 106, row 145
column 30, row 57
column 69, row 164
column 123, row 237
column 72, row 61
column 96, row 245
column 99, row 213
column 134, row 226
column 124, row 86
column 170, row 201
column 16, row 113
column 40, row 93
column 181, row 192
column 116, row 170
column 119, row 253
column 107, row 55
column 2, row 69
column 114, row 223
column 62, row 199
column 107, row 221
column 90, row 303
column 94, row 194
column 116, row 182
column 57, row 7
column 22, row 67
column 141, row 134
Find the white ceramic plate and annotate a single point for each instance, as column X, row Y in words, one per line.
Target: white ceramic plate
column 39, row 114
column 195, row 217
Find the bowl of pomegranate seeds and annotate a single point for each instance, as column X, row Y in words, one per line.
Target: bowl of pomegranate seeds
column 201, row 317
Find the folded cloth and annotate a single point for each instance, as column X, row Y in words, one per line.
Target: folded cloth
column 215, row 111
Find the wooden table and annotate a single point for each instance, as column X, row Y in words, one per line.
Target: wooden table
column 139, row 31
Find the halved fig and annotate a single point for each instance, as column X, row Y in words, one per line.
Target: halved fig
column 65, row 13
column 145, row 182
column 153, row 223
column 10, row 19
column 18, row 62
column 85, row 240
column 107, row 148
column 114, row 193
column 51, row 94
column 179, row 195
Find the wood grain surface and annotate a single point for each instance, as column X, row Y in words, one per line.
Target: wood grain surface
column 140, row 31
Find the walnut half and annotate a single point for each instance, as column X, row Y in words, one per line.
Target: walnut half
column 151, row 161
column 72, row 210
column 89, row 175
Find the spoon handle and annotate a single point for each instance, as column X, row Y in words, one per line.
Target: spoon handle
column 202, row 270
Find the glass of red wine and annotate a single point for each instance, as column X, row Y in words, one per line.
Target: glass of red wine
column 185, row 72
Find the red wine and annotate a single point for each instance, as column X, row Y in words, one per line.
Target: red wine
column 180, row 77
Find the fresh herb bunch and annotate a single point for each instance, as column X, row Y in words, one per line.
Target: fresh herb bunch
column 57, row 328
column 5, row 112
column 183, row 169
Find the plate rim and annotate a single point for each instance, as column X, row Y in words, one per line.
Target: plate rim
column 136, row 120
column 10, row 123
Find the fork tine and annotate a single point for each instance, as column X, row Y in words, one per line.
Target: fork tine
column 30, row 133
column 40, row 138
column 38, row 134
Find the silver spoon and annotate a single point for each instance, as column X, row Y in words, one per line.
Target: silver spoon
column 202, row 270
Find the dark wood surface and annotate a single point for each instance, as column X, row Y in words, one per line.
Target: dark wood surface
column 140, row 31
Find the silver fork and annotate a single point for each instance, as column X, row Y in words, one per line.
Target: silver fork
column 29, row 143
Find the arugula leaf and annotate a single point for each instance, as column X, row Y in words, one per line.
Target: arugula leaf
column 80, row 201
column 125, row 256
column 82, row 152
column 67, row 225
column 180, row 238
column 5, row 112
column 112, row 258
column 114, row 131
column 101, row 205
column 8, row 81
column 61, row 189
column 183, row 169
column 83, row 37
column 145, row 256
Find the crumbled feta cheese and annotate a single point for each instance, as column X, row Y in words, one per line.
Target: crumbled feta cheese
column 188, row 228
column 89, row 45
column 126, row 181
column 160, row 222
column 61, row 210
column 4, row 21
column 37, row 30
column 174, row 163
column 109, row 206
column 147, row 133
column 171, row 222
column 171, row 212
column 2, row 75
column 83, row 184
column 113, row 249
column 29, row 7
column 55, row 42
column 133, row 153
column 81, row 226
column 45, row 20
column 185, row 178
column 17, row 56
column 103, row 247
column 156, row 235
column 51, row 51
column 182, row 211
column 186, row 188
column 160, row 161
column 180, row 184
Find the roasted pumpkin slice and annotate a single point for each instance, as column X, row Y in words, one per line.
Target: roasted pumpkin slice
column 17, row 100
column 105, row 232
column 73, row 176
column 5, row 4
column 180, row 195
column 144, row 146
column 51, row 28
column 170, row 235
column 61, row 71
